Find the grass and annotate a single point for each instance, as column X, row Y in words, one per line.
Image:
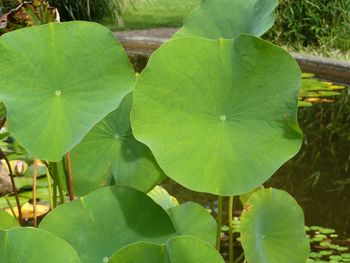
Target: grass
column 317, row 27
column 157, row 13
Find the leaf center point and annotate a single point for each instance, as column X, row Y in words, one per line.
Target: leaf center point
column 222, row 117
column 58, row 93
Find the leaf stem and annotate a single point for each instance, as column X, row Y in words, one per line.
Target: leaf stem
column 219, row 223
column 68, row 164
column 56, row 177
column 230, row 229
column 49, row 187
column 239, row 258
column 35, row 175
column 10, row 206
column 3, row 156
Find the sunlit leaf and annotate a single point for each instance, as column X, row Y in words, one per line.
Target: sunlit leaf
column 57, row 81
column 176, row 250
column 272, row 228
column 218, row 122
column 29, row 245
column 228, row 18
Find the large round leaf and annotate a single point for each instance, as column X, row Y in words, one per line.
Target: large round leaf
column 176, row 250
column 58, row 80
column 194, row 220
column 126, row 160
column 272, row 228
column 219, row 115
column 29, row 245
column 228, row 18
column 105, row 220
column 7, row 221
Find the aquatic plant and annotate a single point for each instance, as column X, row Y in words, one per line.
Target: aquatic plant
column 215, row 109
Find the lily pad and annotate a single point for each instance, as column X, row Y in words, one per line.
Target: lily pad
column 176, row 250
column 192, row 219
column 108, row 219
column 15, row 244
column 220, row 116
column 58, row 80
column 124, row 159
column 272, row 228
column 7, row 221
column 228, row 18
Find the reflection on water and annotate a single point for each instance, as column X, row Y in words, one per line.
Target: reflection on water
column 319, row 175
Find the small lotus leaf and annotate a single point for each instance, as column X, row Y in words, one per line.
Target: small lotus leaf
column 163, row 198
column 124, row 159
column 228, row 18
column 220, row 116
column 176, row 250
column 7, row 221
column 272, row 228
column 105, row 220
column 194, row 220
column 29, row 245
column 57, row 81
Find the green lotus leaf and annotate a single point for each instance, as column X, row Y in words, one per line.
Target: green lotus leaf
column 7, row 221
column 108, row 219
column 124, row 159
column 176, row 250
column 58, row 80
column 163, row 198
column 194, row 220
column 228, row 18
column 29, row 245
column 272, row 228
column 220, row 116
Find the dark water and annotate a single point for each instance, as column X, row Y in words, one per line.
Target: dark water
column 319, row 175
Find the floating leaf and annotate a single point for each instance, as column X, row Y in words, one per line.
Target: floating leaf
column 7, row 221
column 228, row 18
column 194, row 220
column 212, row 115
column 108, row 219
column 272, row 228
column 126, row 160
column 28, row 210
column 176, row 250
column 58, row 80
column 29, row 245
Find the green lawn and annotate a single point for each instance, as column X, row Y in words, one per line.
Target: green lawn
column 156, row 13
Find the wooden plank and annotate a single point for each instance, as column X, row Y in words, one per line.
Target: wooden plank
column 144, row 42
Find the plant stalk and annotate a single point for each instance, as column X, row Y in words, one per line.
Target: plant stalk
column 55, row 175
column 239, row 258
column 35, row 175
column 14, row 188
column 49, row 187
column 230, row 229
column 68, row 164
column 54, row 201
column 10, row 206
column 219, row 223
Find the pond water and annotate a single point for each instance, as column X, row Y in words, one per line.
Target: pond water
column 319, row 175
